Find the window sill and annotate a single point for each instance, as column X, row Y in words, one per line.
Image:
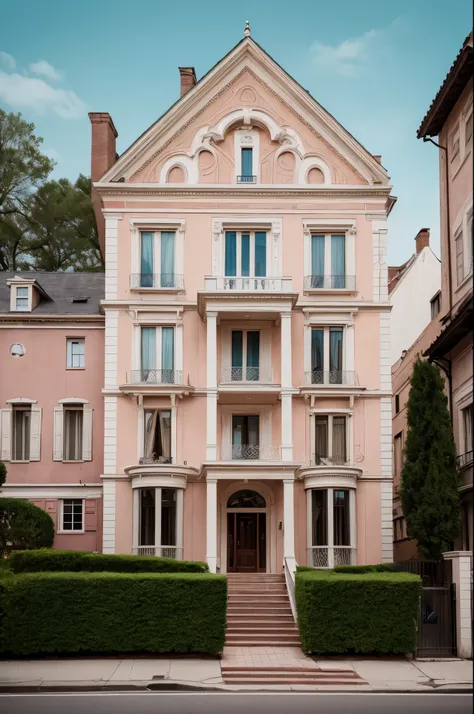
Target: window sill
column 73, row 461
column 75, row 369
column 329, row 291
column 157, row 290
column 20, row 461
column 70, row 532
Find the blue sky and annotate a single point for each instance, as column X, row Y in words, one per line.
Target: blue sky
column 374, row 65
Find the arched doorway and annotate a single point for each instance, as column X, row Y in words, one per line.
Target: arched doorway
column 246, row 532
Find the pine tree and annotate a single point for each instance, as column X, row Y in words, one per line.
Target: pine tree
column 430, row 481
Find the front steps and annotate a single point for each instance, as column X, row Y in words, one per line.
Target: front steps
column 289, row 675
column 259, row 612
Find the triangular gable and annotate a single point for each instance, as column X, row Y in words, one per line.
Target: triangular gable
column 246, row 56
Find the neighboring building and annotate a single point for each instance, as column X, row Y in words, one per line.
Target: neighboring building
column 51, row 407
column 414, row 293
column 450, row 119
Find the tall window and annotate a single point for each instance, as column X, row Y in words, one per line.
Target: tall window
column 22, row 300
column 467, row 419
column 21, row 433
column 247, row 164
column 247, row 368
column 72, row 435
column 326, row 351
column 245, row 437
column 150, row 371
column 398, row 453
column 72, row 514
column 245, row 256
column 330, row 439
column 330, row 545
column 157, row 446
column 157, row 263
column 159, row 534
column 459, row 244
column 341, row 517
column 75, row 353
column 334, row 247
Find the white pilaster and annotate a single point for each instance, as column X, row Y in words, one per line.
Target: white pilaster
column 379, row 252
column 288, row 519
column 309, row 527
column 179, row 522
column 286, row 347
column 211, row 525
column 462, row 577
column 386, row 517
column 111, row 348
column 158, row 522
column 174, row 420
column 286, row 427
column 136, row 518
column 108, row 528
column 330, row 527
column 111, row 256
column 211, row 424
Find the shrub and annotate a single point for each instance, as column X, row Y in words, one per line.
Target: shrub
column 71, row 613
column 31, row 561
column 24, row 526
column 357, row 613
column 378, row 568
column 3, row 473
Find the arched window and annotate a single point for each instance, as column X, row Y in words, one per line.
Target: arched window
column 246, row 499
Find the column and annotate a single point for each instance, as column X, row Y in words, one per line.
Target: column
column 462, row 578
column 179, row 523
column 286, row 386
column 353, row 525
column 288, row 519
column 174, row 410
column 211, row 525
column 309, row 527
column 330, row 538
column 158, row 521
column 211, row 359
column 136, row 521
column 286, row 377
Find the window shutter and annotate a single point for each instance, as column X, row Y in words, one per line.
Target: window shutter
column 35, row 434
column 58, row 420
column 87, row 435
column 90, row 515
column 6, row 432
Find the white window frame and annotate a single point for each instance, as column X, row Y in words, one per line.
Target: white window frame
column 72, row 531
column 72, row 403
column 327, row 251
column 330, row 417
column 158, row 513
column 330, row 520
column 326, row 345
column 146, row 225
column 26, row 297
column 70, row 342
column 246, row 139
column 68, row 408
column 251, row 234
column 328, row 228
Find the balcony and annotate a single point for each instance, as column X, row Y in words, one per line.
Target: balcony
column 465, row 460
column 331, row 283
column 248, row 284
column 250, row 452
column 156, row 376
column 245, row 375
column 331, row 378
column 160, row 551
column 246, row 179
column 162, row 282
column 325, row 556
column 149, row 460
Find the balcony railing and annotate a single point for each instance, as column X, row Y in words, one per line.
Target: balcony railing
column 156, row 281
column 327, row 556
column 232, row 375
column 246, row 179
column 333, row 376
column 155, row 459
column 465, row 459
column 250, row 452
column 248, row 284
column 329, row 282
column 156, row 376
column 161, row 551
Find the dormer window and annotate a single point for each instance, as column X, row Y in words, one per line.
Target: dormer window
column 22, row 299
column 25, row 294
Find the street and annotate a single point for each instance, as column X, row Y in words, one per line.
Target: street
column 235, row 703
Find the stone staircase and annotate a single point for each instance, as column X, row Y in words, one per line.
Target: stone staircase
column 311, row 677
column 259, row 612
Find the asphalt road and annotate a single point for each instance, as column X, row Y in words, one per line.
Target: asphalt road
column 235, row 703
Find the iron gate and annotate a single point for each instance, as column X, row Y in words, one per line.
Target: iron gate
column 436, row 626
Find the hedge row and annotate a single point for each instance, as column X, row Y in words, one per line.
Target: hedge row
column 73, row 561
column 378, row 568
column 108, row 613
column 361, row 613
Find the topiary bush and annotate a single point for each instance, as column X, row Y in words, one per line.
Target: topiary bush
column 363, row 613
column 31, row 561
column 24, row 526
column 107, row 613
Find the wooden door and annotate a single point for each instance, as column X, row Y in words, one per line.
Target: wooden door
column 246, row 545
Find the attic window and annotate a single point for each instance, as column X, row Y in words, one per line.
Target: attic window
column 80, row 299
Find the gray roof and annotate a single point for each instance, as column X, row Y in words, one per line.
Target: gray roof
column 60, row 289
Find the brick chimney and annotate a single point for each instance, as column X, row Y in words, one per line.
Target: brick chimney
column 187, row 79
column 422, row 239
column 103, row 156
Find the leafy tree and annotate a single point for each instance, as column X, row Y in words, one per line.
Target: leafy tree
column 430, row 481
column 3, row 473
column 24, row 526
column 14, row 242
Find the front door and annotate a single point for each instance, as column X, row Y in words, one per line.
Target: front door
column 246, row 540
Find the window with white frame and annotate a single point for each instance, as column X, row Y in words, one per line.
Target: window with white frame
column 459, row 246
column 157, row 443
column 72, row 515
column 21, row 433
column 75, row 353
column 72, row 431
column 330, row 439
column 73, row 428
column 328, row 262
column 20, row 428
column 157, row 260
column 22, row 299
column 246, row 146
column 327, row 355
column 158, row 530
column 245, row 256
column 157, row 355
column 331, row 527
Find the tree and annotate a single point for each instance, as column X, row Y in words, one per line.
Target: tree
column 430, row 481
column 24, row 526
column 3, row 473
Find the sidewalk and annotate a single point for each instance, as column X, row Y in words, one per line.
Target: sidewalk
column 379, row 674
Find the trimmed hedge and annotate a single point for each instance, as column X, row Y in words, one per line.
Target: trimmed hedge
column 74, row 561
column 378, row 568
column 107, row 613
column 364, row 613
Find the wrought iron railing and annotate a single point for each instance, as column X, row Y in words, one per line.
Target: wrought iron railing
column 229, row 375
column 157, row 281
column 327, row 556
column 156, row 376
column 329, row 282
column 465, row 459
column 333, row 376
column 161, row 551
column 248, row 283
column 246, row 179
column 290, row 571
column 250, row 452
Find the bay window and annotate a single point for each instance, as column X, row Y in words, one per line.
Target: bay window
column 331, row 529
column 158, row 522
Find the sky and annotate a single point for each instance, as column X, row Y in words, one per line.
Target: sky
column 375, row 65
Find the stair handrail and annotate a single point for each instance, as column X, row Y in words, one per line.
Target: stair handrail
column 290, row 565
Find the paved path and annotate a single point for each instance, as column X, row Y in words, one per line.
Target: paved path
column 236, row 703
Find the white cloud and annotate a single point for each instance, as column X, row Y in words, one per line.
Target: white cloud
column 7, row 60
column 22, row 92
column 45, row 69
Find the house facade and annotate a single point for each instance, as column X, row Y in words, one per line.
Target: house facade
column 247, row 393
column 450, row 118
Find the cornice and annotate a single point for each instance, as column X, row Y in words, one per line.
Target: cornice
column 28, row 319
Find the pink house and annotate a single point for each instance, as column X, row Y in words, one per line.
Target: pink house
column 247, row 387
